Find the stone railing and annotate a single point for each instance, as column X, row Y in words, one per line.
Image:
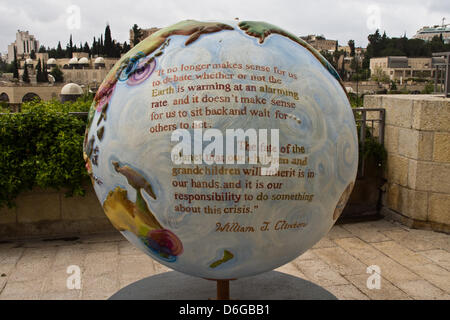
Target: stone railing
column 417, row 138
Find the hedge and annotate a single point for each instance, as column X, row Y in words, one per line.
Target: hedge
column 42, row 146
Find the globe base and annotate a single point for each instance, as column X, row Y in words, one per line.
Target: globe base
column 271, row 285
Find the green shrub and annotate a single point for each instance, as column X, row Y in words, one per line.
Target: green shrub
column 4, row 107
column 429, row 88
column 42, row 146
column 355, row 101
column 375, row 150
column 372, row 148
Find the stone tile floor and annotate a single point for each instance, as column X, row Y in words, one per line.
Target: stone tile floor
column 414, row 264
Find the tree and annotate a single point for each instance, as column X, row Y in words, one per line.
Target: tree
column 33, row 55
column 59, row 51
column 25, row 75
column 15, row 65
column 86, row 48
column 6, row 67
column 101, row 48
column 351, row 44
column 393, row 85
column 380, row 76
column 125, row 48
column 44, row 72
column 329, row 57
column 42, row 49
column 69, row 48
column 137, row 34
column 39, row 74
column 109, row 50
column 94, row 48
column 57, row 74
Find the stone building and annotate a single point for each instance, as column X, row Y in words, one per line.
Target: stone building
column 145, row 34
column 320, row 43
column 359, row 52
column 427, row 33
column 24, row 44
column 400, row 68
column 82, row 70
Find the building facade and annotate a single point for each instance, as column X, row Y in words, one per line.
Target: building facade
column 80, row 69
column 24, row 44
column 320, row 43
column 145, row 34
column 427, row 33
column 402, row 68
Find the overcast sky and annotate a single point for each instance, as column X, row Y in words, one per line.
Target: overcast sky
column 53, row 20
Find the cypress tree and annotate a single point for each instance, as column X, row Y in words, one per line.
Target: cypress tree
column 94, row 48
column 39, row 75
column 101, row 49
column 25, row 76
column 15, row 65
column 69, row 48
column 108, row 42
column 86, row 48
column 59, row 51
column 137, row 34
column 44, row 73
column 57, row 74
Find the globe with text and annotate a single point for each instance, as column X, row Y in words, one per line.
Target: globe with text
column 222, row 149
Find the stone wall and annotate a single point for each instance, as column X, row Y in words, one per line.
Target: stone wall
column 49, row 213
column 417, row 138
column 370, row 87
column 45, row 92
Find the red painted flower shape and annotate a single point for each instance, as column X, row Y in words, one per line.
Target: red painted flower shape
column 165, row 241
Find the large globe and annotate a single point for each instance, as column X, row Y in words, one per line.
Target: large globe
column 196, row 199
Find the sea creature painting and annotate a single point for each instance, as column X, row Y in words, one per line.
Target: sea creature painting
column 136, row 217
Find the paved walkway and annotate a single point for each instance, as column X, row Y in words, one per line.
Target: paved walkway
column 414, row 264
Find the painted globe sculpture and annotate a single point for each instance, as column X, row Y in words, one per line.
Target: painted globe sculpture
column 222, row 149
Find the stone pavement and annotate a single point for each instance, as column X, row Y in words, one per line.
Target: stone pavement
column 414, row 264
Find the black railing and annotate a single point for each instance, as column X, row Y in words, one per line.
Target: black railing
column 446, row 75
column 372, row 121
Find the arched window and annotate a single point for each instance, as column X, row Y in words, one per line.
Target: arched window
column 4, row 97
column 30, row 96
